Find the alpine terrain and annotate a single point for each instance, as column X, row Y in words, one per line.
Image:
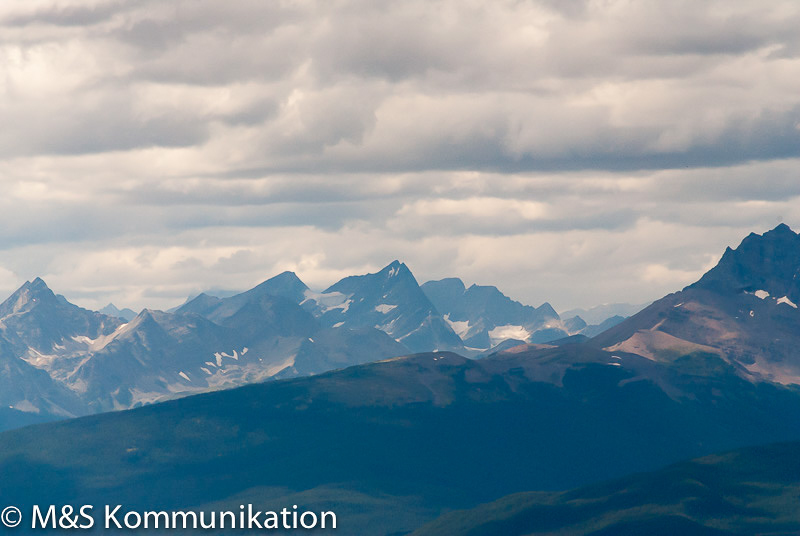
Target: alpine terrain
column 393, row 444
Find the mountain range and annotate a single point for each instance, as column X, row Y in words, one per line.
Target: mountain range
column 484, row 317
column 600, row 313
column 740, row 320
column 64, row 361
column 392, row 444
column 112, row 310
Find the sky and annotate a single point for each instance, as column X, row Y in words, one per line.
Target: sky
column 569, row 151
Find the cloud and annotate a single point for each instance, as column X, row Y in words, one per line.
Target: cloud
column 504, row 86
column 75, row 15
column 576, row 152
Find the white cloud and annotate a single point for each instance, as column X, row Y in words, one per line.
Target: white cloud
column 578, row 152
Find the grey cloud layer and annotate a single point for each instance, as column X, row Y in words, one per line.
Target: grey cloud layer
column 152, row 144
column 417, row 85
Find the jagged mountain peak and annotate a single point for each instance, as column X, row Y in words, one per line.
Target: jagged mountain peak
column 768, row 263
column 393, row 274
column 390, row 300
column 44, row 327
column 36, row 287
column 38, row 284
column 782, row 228
column 285, row 284
column 395, row 269
column 145, row 316
column 745, row 310
column 149, row 321
column 154, row 315
column 483, row 316
column 27, row 296
column 547, row 309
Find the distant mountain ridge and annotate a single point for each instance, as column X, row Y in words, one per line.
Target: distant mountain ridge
column 112, row 310
column 743, row 310
column 76, row 361
column 600, row 313
column 484, row 317
column 768, row 262
column 383, row 439
column 42, row 338
column 396, row 442
column 64, row 361
column 390, row 300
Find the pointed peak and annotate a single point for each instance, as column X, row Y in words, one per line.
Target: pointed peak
column 392, row 274
column 285, row 284
column 286, row 277
column 147, row 319
column 113, row 310
column 781, row 232
column 782, row 228
column 110, row 309
column 395, row 268
column 151, row 316
column 766, row 262
column 146, row 313
column 28, row 296
column 36, row 286
column 547, row 309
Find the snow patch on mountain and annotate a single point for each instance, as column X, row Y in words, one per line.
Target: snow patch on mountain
column 461, row 327
column 385, row 308
column 389, row 327
column 501, row 333
column 38, row 359
column 25, row 406
column 288, row 362
column 141, row 398
column 328, row 301
column 84, row 340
